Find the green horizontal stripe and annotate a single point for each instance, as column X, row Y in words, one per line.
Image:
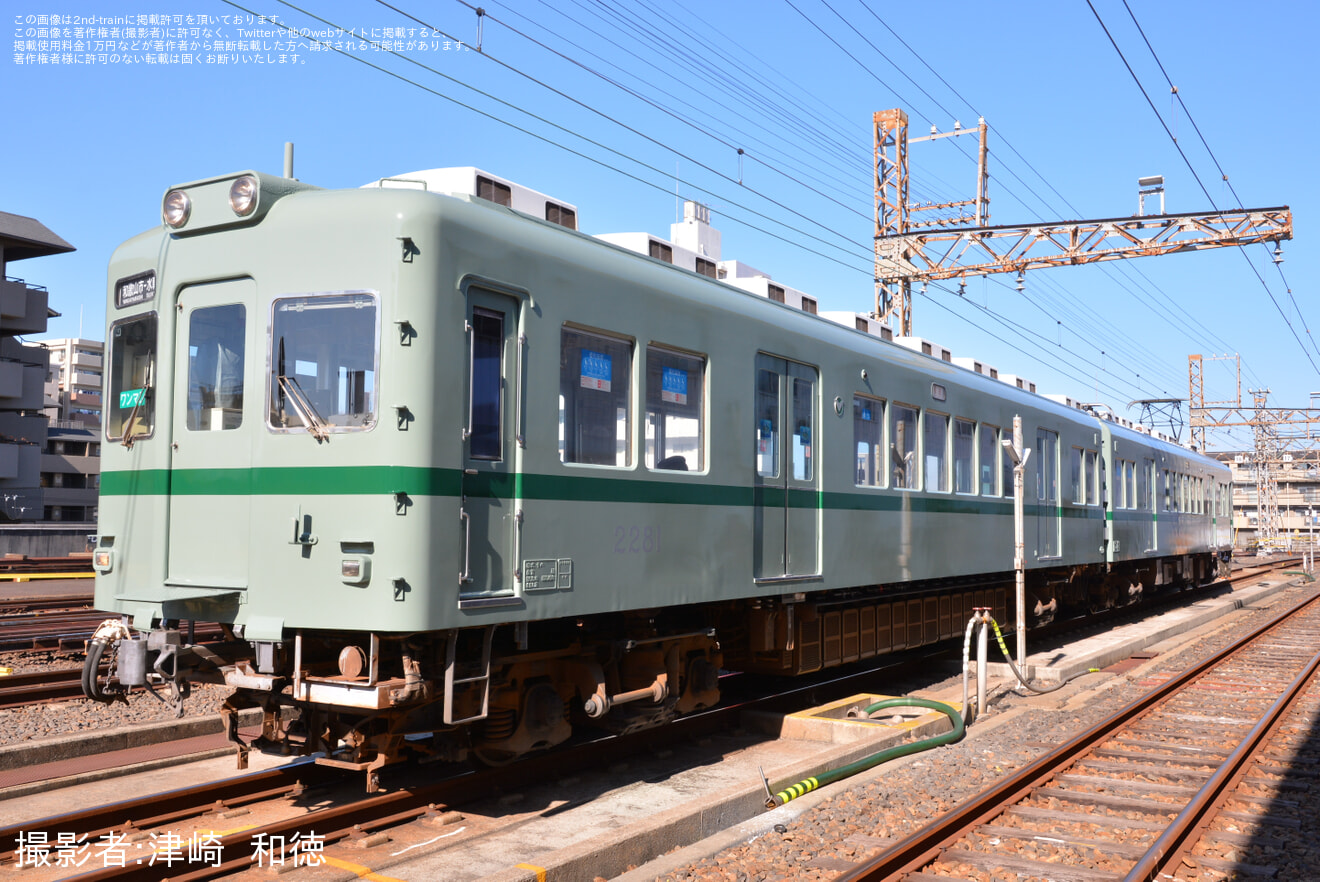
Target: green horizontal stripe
column 330, row 481
column 420, row 482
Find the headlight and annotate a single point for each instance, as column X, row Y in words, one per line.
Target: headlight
column 176, row 208
column 243, row 195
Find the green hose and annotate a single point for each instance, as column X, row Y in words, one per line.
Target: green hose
column 884, row 756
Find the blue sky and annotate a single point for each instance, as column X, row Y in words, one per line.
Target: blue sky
column 92, row 148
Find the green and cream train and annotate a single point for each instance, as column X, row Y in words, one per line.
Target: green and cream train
column 436, row 465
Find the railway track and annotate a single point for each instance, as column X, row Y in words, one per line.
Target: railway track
column 20, row 567
column 1172, row 780
column 415, row 794
column 37, row 687
column 26, row 606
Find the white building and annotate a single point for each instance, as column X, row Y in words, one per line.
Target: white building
column 73, row 383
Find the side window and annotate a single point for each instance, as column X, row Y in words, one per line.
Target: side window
column 988, row 452
column 964, row 442
column 803, row 408
column 1166, row 490
column 868, row 428
column 903, row 448
column 1047, row 466
column 937, row 452
column 1131, row 484
column 487, row 393
column 132, row 405
column 1120, row 486
column 1076, row 477
column 215, row 368
column 674, row 410
column 1092, row 479
column 1006, row 469
column 767, row 423
column 595, row 402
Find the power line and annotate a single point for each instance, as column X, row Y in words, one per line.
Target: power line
column 1197, row 177
column 1224, row 175
column 539, row 137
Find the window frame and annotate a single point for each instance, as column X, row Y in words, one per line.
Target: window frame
column 880, row 464
column 703, row 408
column 912, row 482
column 191, row 376
column 269, row 383
column 972, row 473
column 630, row 447
column 154, row 316
column 996, row 478
column 1077, row 475
column 1091, row 475
column 942, row 458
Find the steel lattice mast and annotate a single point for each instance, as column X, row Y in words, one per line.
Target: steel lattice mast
column 904, row 253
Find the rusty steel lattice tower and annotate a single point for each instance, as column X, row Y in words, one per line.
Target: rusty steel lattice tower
column 1267, row 453
column 906, row 251
column 1272, row 450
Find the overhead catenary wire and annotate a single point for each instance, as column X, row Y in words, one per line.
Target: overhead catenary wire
column 668, row 184
column 1222, row 174
column 587, row 106
column 733, row 134
column 1124, row 269
column 561, row 54
column 1116, row 342
column 1097, row 349
column 1287, row 321
column 662, row 187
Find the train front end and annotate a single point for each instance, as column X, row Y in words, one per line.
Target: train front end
column 256, row 488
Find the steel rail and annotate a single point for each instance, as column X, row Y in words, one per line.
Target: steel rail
column 1170, row 847
column 164, row 808
column 190, row 802
column 927, row 844
column 37, row 687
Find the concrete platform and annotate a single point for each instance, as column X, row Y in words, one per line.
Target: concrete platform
column 1064, row 661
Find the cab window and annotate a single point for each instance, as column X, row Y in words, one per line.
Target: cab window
column 323, row 361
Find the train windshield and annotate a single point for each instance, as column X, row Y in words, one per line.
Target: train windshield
column 131, row 407
column 323, row 363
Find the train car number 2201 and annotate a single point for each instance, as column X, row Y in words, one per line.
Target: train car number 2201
column 636, row 540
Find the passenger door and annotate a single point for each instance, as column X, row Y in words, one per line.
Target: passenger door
column 785, row 495
column 211, row 453
column 488, row 506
